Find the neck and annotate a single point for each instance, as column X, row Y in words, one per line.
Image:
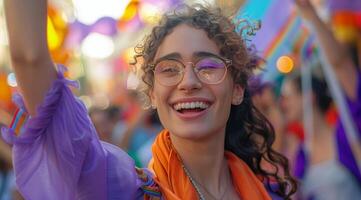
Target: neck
column 204, row 160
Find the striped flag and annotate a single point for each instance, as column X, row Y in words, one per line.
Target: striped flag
column 280, row 34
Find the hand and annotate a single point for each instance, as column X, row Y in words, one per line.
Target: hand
column 306, row 9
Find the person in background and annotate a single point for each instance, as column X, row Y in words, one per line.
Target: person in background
column 137, row 137
column 321, row 174
column 329, row 170
column 105, row 121
column 265, row 100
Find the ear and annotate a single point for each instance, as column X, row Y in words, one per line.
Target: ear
column 238, row 92
column 152, row 99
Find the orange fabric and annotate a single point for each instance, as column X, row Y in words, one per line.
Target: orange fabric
column 175, row 185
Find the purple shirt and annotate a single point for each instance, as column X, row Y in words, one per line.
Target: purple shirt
column 58, row 154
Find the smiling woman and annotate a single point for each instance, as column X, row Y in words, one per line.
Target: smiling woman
column 208, row 113
column 215, row 143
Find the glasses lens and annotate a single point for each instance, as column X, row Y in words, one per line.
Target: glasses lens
column 211, row 70
column 168, row 72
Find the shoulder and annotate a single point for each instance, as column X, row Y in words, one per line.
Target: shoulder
column 125, row 178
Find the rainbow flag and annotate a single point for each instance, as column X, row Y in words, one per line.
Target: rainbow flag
column 19, row 120
column 279, row 33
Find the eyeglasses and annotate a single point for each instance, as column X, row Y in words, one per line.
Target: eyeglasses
column 209, row 70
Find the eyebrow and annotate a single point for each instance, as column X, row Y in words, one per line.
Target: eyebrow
column 169, row 56
column 202, row 54
column 196, row 55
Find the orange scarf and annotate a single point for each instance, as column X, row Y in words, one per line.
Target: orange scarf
column 175, row 185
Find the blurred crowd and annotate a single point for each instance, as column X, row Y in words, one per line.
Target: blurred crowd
column 314, row 158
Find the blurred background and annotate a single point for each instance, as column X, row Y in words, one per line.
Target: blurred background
column 95, row 41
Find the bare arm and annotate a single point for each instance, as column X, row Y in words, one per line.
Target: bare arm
column 30, row 57
column 335, row 53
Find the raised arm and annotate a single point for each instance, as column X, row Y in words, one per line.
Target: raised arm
column 30, row 57
column 56, row 152
column 335, row 53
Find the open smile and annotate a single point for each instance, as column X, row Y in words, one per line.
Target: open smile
column 191, row 109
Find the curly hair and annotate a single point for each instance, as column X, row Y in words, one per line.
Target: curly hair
column 249, row 134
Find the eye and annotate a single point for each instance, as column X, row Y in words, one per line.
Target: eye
column 168, row 67
column 210, row 64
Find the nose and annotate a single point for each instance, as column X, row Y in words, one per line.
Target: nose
column 190, row 81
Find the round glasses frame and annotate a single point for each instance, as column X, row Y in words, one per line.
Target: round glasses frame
column 227, row 63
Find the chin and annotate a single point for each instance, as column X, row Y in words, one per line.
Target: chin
column 199, row 132
column 194, row 136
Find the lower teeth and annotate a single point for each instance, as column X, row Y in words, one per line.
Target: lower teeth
column 191, row 110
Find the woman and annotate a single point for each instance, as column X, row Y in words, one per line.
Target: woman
column 329, row 171
column 196, row 68
column 321, row 173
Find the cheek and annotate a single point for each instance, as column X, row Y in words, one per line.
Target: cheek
column 159, row 94
column 229, row 89
column 225, row 96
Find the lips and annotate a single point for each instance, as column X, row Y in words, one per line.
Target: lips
column 191, row 108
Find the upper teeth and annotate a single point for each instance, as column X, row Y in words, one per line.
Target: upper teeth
column 190, row 105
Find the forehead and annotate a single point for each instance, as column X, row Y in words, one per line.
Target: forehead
column 186, row 41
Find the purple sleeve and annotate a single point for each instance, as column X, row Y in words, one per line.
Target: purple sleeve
column 58, row 154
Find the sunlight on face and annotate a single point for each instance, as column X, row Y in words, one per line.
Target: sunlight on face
column 192, row 109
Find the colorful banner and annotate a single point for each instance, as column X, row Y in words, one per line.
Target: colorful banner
column 281, row 33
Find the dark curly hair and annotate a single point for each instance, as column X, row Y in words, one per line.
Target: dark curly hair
column 249, row 134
